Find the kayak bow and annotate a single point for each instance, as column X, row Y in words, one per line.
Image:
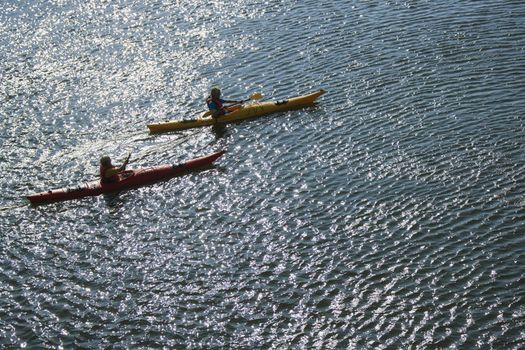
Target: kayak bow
column 128, row 179
column 248, row 111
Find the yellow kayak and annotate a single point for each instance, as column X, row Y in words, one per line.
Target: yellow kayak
column 247, row 111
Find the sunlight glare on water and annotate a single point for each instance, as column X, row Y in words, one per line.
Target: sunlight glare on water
column 388, row 215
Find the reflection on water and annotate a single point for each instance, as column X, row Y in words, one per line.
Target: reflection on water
column 219, row 130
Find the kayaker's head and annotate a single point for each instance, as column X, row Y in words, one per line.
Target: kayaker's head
column 105, row 161
column 215, row 92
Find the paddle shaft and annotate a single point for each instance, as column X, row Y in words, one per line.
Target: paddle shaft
column 255, row 96
column 123, row 166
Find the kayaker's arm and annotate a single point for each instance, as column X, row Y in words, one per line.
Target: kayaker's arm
column 111, row 172
column 215, row 113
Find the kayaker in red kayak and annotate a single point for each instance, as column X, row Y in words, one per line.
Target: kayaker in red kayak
column 216, row 103
column 109, row 172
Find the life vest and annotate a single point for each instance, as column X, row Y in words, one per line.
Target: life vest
column 107, row 180
column 218, row 103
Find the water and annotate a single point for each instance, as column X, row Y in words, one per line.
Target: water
column 390, row 215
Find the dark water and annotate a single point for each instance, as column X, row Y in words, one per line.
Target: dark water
column 390, row 215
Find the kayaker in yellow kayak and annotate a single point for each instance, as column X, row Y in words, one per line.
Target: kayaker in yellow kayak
column 109, row 172
column 216, row 103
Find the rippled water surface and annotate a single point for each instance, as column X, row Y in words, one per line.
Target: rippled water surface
column 389, row 215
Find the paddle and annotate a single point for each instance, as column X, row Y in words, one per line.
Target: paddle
column 255, row 96
column 123, row 166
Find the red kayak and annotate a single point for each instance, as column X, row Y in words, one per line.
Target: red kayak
column 128, row 179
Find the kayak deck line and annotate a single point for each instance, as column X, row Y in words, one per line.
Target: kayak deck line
column 129, row 179
column 243, row 112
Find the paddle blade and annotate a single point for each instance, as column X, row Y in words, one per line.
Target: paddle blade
column 256, row 96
